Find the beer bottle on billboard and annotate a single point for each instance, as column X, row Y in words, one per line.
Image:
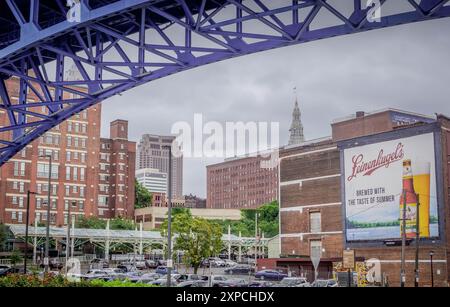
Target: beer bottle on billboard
column 409, row 195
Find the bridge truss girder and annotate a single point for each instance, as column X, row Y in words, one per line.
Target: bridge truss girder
column 118, row 45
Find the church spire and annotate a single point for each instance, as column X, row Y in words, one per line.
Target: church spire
column 296, row 131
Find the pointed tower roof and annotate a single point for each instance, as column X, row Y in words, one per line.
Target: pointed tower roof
column 296, row 130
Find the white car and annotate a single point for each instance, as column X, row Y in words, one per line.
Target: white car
column 163, row 282
column 216, row 280
column 230, row 263
column 294, row 282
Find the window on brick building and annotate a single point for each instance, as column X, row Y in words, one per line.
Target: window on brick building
column 82, row 174
column 315, row 222
column 67, row 172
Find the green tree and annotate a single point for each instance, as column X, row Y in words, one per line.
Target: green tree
column 90, row 223
column 197, row 237
column 97, row 223
column 143, row 198
column 122, row 224
column 3, row 236
column 15, row 258
column 267, row 221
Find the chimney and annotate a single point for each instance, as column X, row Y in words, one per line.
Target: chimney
column 119, row 129
column 360, row 114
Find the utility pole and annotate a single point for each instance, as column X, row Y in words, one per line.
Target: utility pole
column 69, row 219
column 169, row 218
column 431, row 268
column 256, row 238
column 47, row 232
column 402, row 270
column 416, row 269
column 26, row 231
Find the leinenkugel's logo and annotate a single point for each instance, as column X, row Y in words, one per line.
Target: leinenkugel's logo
column 360, row 166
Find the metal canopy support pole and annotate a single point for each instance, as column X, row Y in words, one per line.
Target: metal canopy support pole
column 107, row 241
column 240, row 247
column 35, row 242
column 141, row 249
column 72, row 237
column 229, row 242
column 47, row 231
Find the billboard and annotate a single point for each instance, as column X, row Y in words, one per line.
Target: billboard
column 382, row 179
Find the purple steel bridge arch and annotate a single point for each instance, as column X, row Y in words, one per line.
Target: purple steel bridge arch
column 116, row 45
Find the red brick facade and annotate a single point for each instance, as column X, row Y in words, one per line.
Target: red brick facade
column 75, row 149
column 240, row 184
column 310, row 186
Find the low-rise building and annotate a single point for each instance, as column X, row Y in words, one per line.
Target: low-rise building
column 153, row 217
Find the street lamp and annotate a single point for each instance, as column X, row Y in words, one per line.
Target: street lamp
column 68, row 239
column 431, row 268
column 47, row 232
column 26, row 230
column 169, row 217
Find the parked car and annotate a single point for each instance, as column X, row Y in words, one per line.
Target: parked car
column 240, row 269
column 98, row 264
column 145, row 278
column 163, row 270
column 162, row 262
column 260, row 284
column 151, row 264
column 6, row 270
column 188, row 277
column 96, row 274
column 193, row 284
column 163, row 282
column 293, row 282
column 230, row 263
column 325, row 283
column 217, row 262
column 216, row 280
column 270, row 275
column 232, row 283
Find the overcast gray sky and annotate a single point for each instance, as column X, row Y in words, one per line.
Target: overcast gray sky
column 405, row 67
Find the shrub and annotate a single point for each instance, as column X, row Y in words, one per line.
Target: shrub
column 52, row 281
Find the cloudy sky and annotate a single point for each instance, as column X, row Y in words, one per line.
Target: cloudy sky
column 403, row 67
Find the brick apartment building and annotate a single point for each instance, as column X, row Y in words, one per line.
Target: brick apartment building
column 240, row 183
column 117, row 173
column 313, row 178
column 75, row 149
